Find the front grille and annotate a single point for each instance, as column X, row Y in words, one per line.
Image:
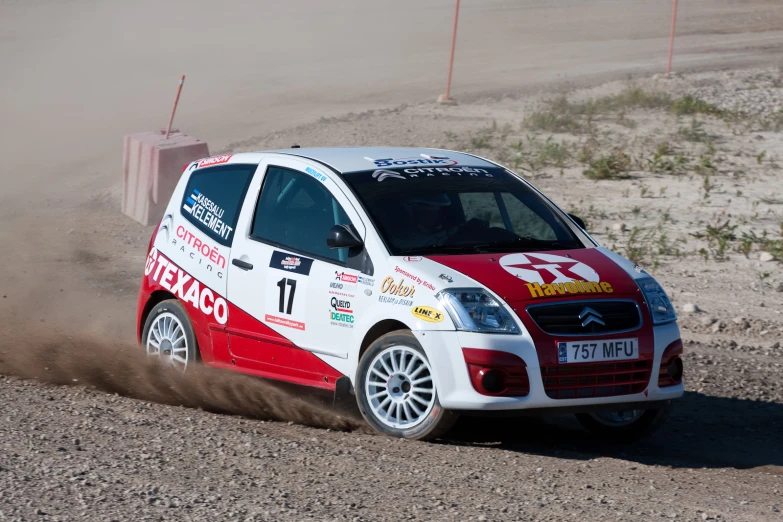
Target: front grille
column 579, row 381
column 563, row 318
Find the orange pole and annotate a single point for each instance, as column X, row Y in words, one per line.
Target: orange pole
column 453, row 45
column 174, row 109
column 671, row 39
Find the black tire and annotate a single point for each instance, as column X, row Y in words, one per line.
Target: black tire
column 644, row 426
column 435, row 424
column 175, row 308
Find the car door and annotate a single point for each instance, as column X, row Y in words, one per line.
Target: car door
column 196, row 236
column 295, row 296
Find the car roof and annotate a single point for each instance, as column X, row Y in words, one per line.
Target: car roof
column 354, row 159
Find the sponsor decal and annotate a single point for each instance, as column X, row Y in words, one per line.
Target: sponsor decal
column 341, row 313
column 206, row 252
column 290, row 323
column 432, row 160
column 418, row 280
column 431, row 172
column 381, row 175
column 551, row 275
column 346, row 278
column 168, row 275
column 428, row 314
column 412, row 259
column 364, row 280
column 208, row 213
column 214, row 160
column 317, row 175
column 396, row 293
column 290, row 263
column 446, row 278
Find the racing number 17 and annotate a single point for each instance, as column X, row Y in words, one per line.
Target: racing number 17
column 281, row 285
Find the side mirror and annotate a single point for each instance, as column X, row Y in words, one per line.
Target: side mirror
column 343, row 236
column 579, row 221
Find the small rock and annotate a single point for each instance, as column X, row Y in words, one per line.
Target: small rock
column 707, row 321
column 778, row 289
column 539, row 470
column 738, row 320
column 765, row 257
column 690, row 308
column 618, row 227
column 717, row 327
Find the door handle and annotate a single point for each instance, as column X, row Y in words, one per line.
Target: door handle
column 242, row 264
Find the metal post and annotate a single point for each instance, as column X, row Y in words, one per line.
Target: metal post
column 451, row 60
column 174, row 108
column 671, row 39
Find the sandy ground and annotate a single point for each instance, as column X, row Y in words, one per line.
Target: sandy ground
column 78, row 75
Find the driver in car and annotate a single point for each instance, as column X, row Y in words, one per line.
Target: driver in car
column 427, row 217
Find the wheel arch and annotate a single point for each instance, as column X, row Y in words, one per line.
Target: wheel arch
column 158, row 296
column 377, row 330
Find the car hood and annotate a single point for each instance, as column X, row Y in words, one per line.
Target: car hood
column 545, row 276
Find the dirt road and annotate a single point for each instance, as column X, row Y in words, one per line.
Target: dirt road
column 78, row 75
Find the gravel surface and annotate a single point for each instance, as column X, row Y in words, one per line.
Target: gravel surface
column 132, row 443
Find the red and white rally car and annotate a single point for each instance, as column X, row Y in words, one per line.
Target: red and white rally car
column 427, row 283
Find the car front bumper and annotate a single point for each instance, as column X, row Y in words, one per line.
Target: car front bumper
column 456, row 392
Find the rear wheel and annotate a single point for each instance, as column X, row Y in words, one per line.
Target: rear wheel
column 396, row 392
column 625, row 425
column 168, row 335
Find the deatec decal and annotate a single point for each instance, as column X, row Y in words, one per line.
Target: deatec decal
column 428, row 314
column 341, row 313
column 208, row 213
column 551, row 275
column 168, row 275
column 214, row 160
column 290, row 263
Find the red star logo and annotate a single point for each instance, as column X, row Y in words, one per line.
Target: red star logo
column 550, row 271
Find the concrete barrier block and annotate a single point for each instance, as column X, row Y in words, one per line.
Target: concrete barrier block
column 152, row 166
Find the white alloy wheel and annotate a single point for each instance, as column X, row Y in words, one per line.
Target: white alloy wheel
column 166, row 339
column 399, row 387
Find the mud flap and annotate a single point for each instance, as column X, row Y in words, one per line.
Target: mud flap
column 344, row 400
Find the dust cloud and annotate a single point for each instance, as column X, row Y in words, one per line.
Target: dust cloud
column 124, row 369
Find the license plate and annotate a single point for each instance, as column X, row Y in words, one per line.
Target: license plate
column 597, row 351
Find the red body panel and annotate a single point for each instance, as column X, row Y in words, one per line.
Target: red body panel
column 489, row 270
column 254, row 347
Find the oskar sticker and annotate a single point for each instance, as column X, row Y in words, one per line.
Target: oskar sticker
column 181, row 284
column 428, row 314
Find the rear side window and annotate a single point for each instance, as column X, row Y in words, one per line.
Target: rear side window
column 213, row 198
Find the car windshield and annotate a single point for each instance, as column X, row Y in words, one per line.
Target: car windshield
column 458, row 210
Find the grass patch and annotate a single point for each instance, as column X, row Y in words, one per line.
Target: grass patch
column 614, row 166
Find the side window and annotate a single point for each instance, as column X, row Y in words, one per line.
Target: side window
column 297, row 211
column 213, row 198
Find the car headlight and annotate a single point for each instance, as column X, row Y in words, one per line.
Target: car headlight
column 474, row 310
column 660, row 307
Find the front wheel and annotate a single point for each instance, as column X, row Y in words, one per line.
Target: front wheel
column 395, row 390
column 625, row 425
